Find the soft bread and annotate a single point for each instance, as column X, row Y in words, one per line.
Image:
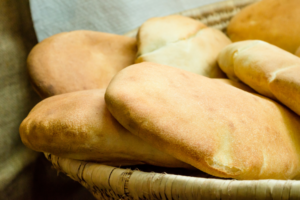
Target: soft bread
column 160, row 31
column 217, row 128
column 78, row 60
column 266, row 68
column 183, row 43
column 273, row 21
column 78, row 125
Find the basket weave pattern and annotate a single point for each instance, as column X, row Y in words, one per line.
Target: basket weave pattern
column 215, row 15
column 106, row 182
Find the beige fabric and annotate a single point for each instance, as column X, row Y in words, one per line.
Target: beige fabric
column 78, row 60
column 112, row 16
column 16, row 99
column 217, row 128
column 22, row 176
column 273, row 21
column 266, row 68
column 78, row 125
column 183, row 43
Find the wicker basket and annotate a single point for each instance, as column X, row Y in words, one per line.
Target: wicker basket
column 107, row 182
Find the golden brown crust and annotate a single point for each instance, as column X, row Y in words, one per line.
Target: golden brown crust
column 266, row 68
column 78, row 60
column 273, row 21
column 219, row 129
column 183, row 43
column 78, row 125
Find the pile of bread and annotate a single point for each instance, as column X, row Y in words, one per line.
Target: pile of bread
column 176, row 107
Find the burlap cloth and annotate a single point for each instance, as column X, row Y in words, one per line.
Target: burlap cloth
column 24, row 174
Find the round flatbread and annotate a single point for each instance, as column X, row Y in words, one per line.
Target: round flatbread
column 78, row 125
column 78, row 60
column 216, row 127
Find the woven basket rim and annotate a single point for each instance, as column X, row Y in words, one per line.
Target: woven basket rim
column 107, row 182
column 205, row 11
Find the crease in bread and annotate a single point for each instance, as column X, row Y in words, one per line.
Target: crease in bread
column 222, row 159
column 139, row 58
column 164, row 30
column 266, row 68
column 183, row 43
column 273, row 75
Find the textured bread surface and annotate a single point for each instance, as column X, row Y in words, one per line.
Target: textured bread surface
column 273, row 21
column 78, row 60
column 269, row 70
column 183, row 43
column 78, row 125
column 214, row 126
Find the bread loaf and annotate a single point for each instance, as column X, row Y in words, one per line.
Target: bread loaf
column 273, row 21
column 78, row 125
column 266, row 68
column 217, row 128
column 78, row 60
column 183, row 43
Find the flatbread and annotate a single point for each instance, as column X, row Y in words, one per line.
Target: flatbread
column 273, row 21
column 78, row 125
column 266, row 68
column 183, row 43
column 78, row 60
column 217, row 128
